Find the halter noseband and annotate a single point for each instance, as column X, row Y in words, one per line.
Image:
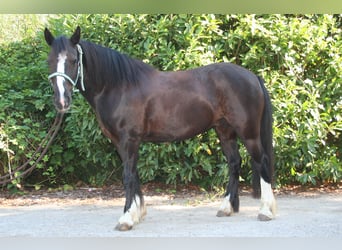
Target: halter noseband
column 79, row 71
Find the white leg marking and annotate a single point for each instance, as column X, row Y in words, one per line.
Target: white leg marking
column 60, row 80
column 134, row 214
column 268, row 203
column 226, row 208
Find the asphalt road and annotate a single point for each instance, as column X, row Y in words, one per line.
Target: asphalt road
column 315, row 215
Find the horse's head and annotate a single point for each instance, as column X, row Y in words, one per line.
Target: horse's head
column 66, row 69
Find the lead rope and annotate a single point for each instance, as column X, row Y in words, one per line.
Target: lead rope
column 15, row 174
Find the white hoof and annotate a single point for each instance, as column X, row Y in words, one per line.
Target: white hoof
column 265, row 214
column 268, row 203
column 226, row 208
column 132, row 216
column 263, row 217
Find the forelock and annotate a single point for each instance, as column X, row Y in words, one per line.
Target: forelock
column 60, row 44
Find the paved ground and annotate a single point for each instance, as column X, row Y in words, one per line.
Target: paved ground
column 313, row 215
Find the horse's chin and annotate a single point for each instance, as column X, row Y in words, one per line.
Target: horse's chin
column 62, row 110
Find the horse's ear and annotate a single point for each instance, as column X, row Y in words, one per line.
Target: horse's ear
column 48, row 36
column 75, row 38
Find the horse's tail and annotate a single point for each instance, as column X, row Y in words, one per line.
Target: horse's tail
column 266, row 135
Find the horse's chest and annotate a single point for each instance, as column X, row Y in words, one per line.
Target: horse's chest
column 118, row 118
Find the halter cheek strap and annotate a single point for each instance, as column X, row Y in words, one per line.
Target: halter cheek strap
column 80, row 67
column 79, row 71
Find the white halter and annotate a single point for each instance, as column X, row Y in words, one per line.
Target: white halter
column 79, row 71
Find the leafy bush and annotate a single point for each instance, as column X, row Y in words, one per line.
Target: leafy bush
column 299, row 56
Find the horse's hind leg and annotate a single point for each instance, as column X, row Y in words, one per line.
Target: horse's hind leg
column 230, row 149
column 261, row 165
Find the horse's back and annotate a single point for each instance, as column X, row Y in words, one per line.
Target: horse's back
column 230, row 77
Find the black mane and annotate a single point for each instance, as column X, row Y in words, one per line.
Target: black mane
column 112, row 67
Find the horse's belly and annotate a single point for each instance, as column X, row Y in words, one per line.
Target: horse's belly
column 184, row 119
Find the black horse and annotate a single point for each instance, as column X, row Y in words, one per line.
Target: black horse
column 136, row 103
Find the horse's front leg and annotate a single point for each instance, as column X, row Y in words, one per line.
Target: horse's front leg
column 134, row 210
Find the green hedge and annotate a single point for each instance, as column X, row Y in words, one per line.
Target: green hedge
column 299, row 56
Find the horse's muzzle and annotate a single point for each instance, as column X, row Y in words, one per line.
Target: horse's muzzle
column 62, row 105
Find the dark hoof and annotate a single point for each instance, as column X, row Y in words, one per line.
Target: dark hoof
column 123, row 227
column 223, row 214
column 263, row 217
